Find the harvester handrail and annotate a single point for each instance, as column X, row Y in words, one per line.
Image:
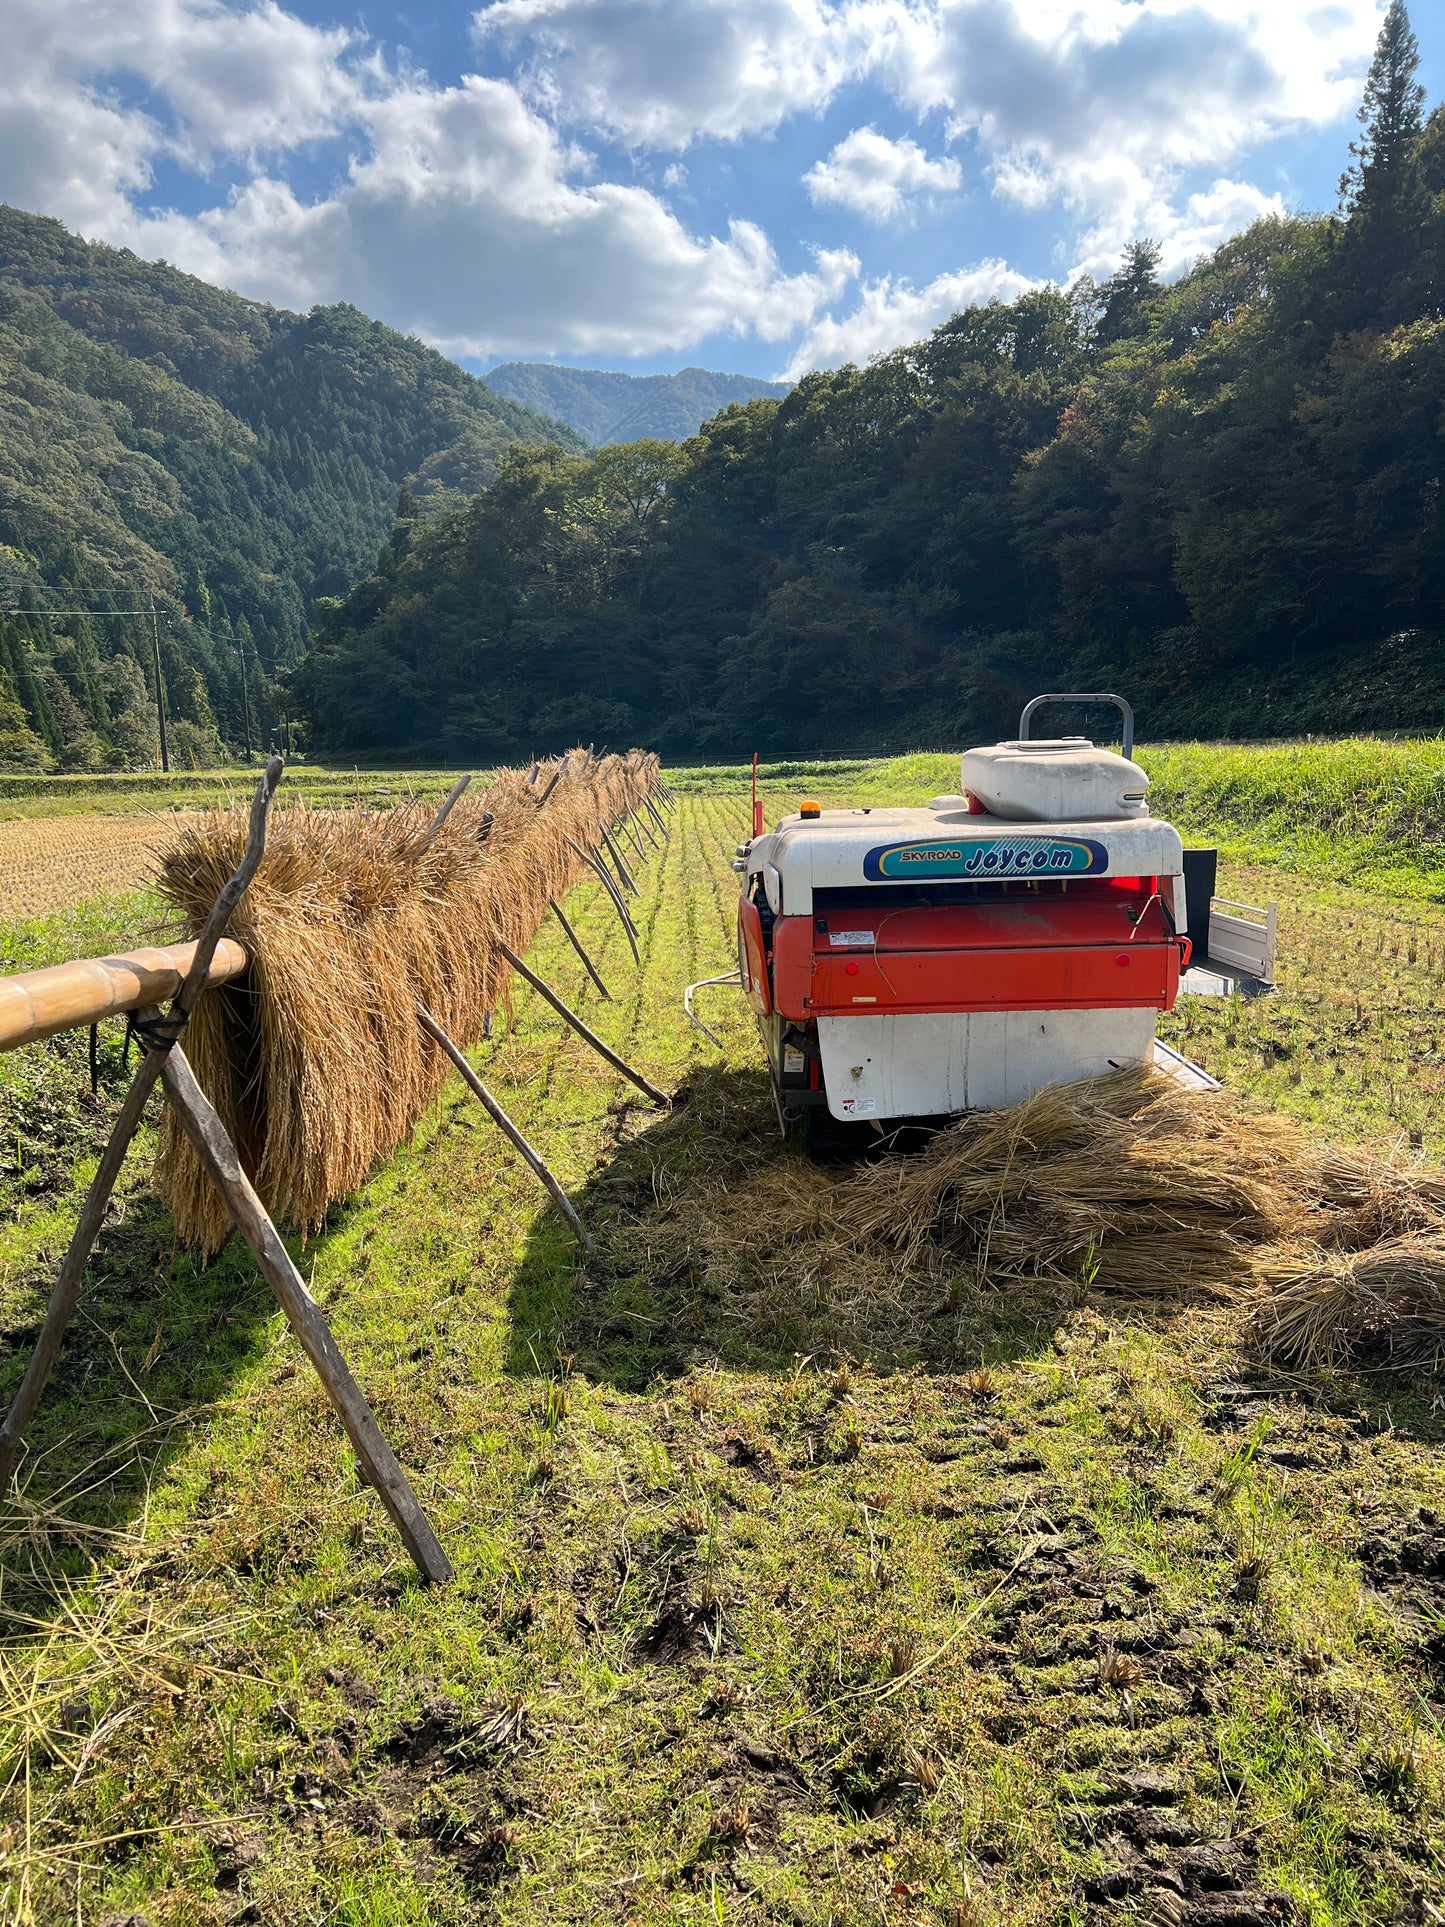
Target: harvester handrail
column 1124, row 708
column 38, row 1003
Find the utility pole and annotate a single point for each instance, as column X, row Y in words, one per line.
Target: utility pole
column 160, row 687
column 245, row 698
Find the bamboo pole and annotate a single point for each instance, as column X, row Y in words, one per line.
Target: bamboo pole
column 160, row 1034
column 576, row 943
column 499, row 1117
column 658, row 1097
column 218, row 1154
column 38, row 1003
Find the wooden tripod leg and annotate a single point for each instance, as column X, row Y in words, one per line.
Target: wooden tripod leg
column 660, row 1098
column 576, row 943
column 504, row 1124
column 612, row 890
column 616, row 855
column 642, row 816
column 218, row 1154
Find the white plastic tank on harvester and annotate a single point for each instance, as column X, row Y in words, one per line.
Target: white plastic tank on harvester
column 914, row 963
column 1063, row 781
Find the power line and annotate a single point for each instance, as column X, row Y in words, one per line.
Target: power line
column 127, row 615
column 13, row 582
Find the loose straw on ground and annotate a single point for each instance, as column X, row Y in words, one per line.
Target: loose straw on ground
column 1126, row 1185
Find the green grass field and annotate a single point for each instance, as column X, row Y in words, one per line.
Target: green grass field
column 767, row 1609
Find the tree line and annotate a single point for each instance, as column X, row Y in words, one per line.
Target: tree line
column 163, row 440
column 1221, row 494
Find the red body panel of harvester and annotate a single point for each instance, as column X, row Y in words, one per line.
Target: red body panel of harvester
column 1108, row 945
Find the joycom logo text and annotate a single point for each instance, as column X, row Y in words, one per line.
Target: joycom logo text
column 988, row 859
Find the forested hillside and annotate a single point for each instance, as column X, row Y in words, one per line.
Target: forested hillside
column 162, row 438
column 608, row 407
column 1222, row 496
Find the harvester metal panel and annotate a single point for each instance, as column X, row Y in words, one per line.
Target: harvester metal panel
column 908, row 1065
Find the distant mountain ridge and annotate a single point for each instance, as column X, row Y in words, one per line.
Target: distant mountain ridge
column 161, row 437
column 608, row 407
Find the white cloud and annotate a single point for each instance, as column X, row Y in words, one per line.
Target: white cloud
column 1099, row 106
column 216, row 79
column 1096, row 107
column 1207, row 219
column 481, row 214
column 459, row 224
column 662, row 73
column 460, row 216
column 879, row 178
column 891, row 312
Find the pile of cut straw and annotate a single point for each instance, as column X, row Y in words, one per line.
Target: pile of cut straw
column 1126, row 1184
column 314, row 1058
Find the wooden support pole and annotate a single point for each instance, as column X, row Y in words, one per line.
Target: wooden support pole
column 658, row 818
column 624, row 827
column 576, row 943
column 611, row 888
column 658, row 1097
column 499, row 1117
column 453, row 797
column 160, row 1034
column 618, row 864
column 218, row 1154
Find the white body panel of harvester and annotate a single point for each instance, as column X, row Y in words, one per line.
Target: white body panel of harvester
column 915, row 1065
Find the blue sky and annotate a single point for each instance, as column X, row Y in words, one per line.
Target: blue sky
column 752, row 185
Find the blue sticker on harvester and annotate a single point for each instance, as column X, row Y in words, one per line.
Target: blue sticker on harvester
column 987, row 859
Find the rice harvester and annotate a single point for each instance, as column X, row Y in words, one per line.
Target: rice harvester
column 915, row 963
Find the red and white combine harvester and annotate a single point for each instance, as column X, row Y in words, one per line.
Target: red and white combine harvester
column 915, row 963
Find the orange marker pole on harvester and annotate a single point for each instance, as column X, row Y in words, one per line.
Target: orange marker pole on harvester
column 757, row 804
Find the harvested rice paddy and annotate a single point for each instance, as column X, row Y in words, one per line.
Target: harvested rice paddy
column 48, row 863
column 1039, row 1604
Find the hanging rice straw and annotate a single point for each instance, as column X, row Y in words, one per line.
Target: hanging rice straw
column 314, row 1059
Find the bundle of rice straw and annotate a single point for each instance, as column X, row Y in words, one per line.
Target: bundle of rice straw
column 314, row 1058
column 1127, row 1182
column 1387, row 1304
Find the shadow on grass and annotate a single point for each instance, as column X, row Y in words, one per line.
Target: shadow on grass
column 158, row 1338
column 660, row 1300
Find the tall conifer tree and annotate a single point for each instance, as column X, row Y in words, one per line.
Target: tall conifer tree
column 1383, row 158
